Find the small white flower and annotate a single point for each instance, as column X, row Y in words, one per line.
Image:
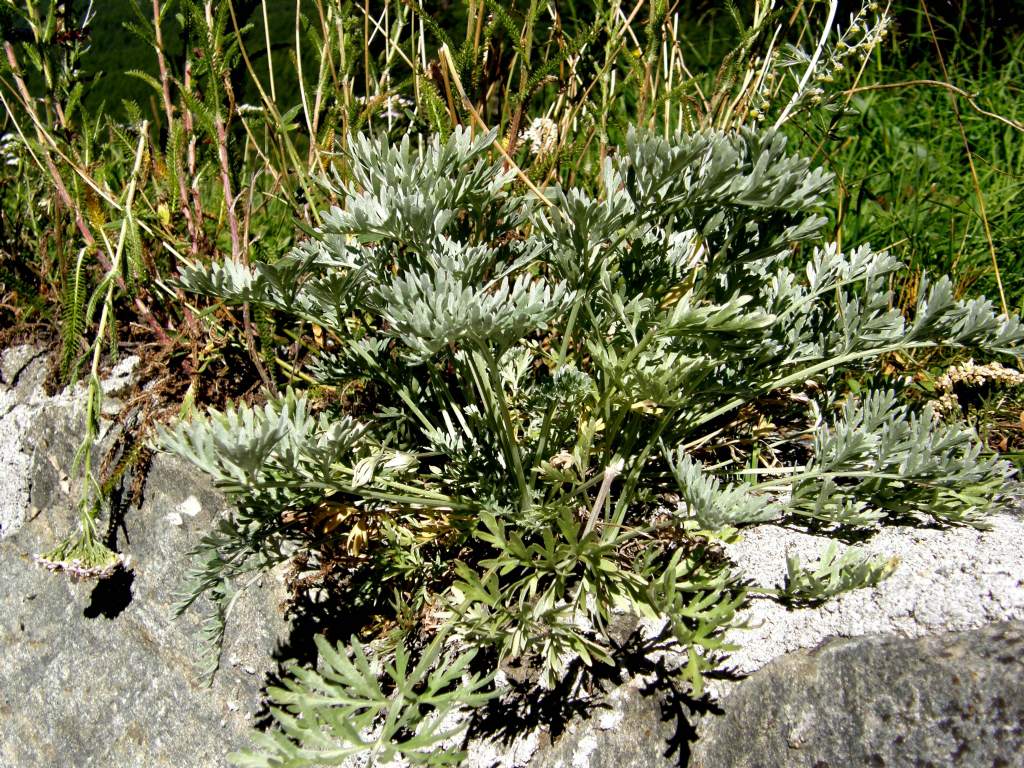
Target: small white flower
column 542, row 135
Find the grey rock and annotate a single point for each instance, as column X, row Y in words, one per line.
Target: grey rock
column 21, row 399
column 121, row 377
column 947, row 579
column 955, row 699
column 14, row 361
column 50, row 442
column 630, row 727
column 102, row 673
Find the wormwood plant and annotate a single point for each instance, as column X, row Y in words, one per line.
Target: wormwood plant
column 520, row 414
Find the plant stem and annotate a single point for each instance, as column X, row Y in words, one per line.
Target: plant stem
column 525, row 501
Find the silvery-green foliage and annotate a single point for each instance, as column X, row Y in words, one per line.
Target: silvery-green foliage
column 244, row 447
column 413, row 195
column 879, row 458
column 713, row 506
column 430, row 312
column 708, row 173
column 972, row 323
column 538, row 375
column 346, row 710
column 834, row 574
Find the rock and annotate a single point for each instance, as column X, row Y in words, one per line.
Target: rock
column 121, row 377
column 955, row 699
column 102, row 673
column 947, row 579
column 15, row 360
column 631, row 727
column 23, row 372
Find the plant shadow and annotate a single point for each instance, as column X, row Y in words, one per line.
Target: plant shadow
column 113, row 594
column 586, row 692
column 333, row 618
column 525, row 705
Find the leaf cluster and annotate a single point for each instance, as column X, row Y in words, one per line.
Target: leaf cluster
column 544, row 380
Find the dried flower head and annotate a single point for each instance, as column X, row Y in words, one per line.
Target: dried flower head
column 81, row 560
column 974, row 375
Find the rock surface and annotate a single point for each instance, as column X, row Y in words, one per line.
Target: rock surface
column 955, row 699
column 22, row 372
column 947, row 579
column 98, row 674
column 634, row 726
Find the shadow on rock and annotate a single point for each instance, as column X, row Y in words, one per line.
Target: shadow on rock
column 334, row 618
column 526, row 705
column 111, row 595
column 635, row 714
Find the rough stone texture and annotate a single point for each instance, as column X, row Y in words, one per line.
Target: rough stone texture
column 14, row 361
column 947, row 579
column 631, row 727
column 22, row 371
column 104, row 675
column 28, row 415
column 98, row 674
column 954, row 699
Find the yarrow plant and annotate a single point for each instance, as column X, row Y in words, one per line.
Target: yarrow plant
column 83, row 554
column 542, row 135
column 518, row 421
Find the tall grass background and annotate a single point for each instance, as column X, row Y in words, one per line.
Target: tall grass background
column 247, row 104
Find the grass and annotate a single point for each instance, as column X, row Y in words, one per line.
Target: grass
column 905, row 166
column 943, row 199
column 205, row 133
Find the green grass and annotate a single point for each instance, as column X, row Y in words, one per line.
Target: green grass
column 903, row 163
column 120, row 183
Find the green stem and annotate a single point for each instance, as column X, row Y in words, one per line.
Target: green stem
column 802, row 375
column 525, row 500
column 562, row 354
column 570, row 326
column 627, row 492
column 396, row 388
column 789, row 480
column 92, row 490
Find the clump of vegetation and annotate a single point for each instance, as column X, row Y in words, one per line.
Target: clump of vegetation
column 532, row 366
column 540, row 378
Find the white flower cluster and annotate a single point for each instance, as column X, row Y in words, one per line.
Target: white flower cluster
column 542, row 135
column 973, row 375
column 393, row 106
